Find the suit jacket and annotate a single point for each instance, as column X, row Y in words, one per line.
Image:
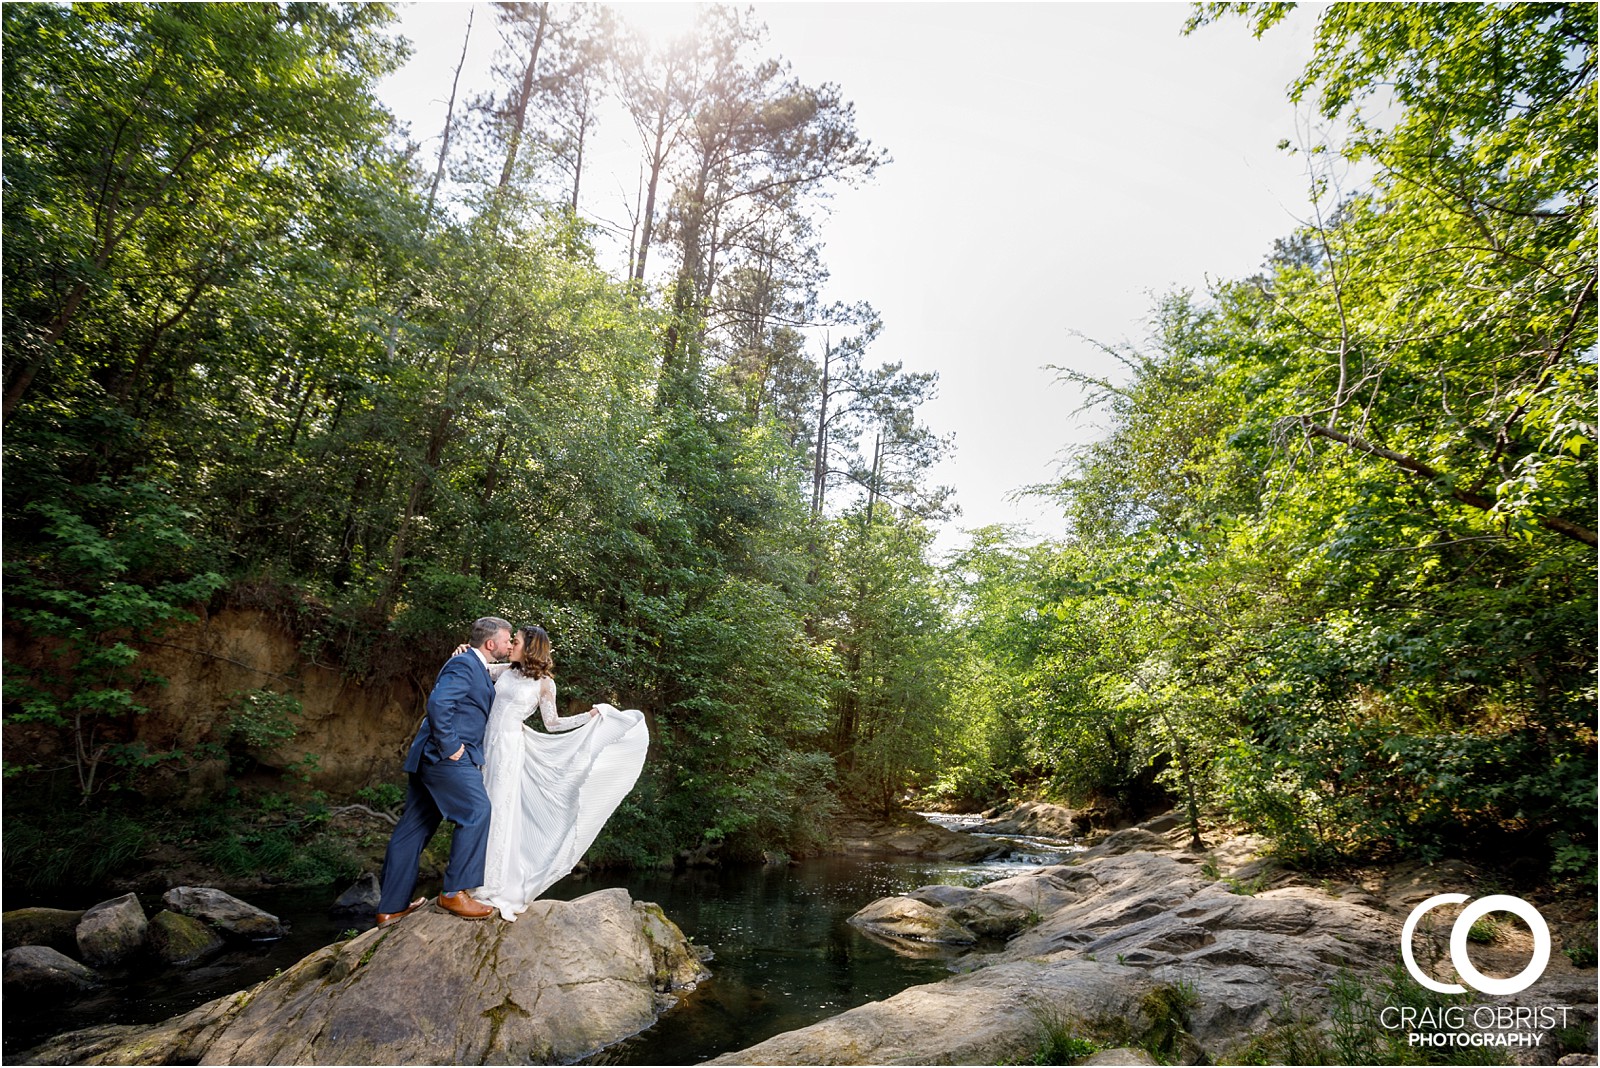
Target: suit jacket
column 458, row 713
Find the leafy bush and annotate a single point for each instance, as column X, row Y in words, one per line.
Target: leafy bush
column 107, row 565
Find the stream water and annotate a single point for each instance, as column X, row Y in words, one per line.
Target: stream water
column 784, row 955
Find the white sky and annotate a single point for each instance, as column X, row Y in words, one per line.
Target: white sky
column 1055, row 166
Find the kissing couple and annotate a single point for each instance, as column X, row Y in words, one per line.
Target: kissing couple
column 526, row 804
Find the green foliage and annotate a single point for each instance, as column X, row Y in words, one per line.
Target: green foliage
column 243, row 332
column 1580, row 946
column 385, row 796
column 1059, row 1039
column 104, row 569
column 278, row 836
column 883, row 610
column 46, row 852
column 1332, row 569
column 1166, row 1008
column 262, row 719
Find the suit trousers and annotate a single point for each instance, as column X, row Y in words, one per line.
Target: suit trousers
column 445, row 790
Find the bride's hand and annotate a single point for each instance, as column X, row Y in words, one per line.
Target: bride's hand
column 594, row 712
column 463, row 647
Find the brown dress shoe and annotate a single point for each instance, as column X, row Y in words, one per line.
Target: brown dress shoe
column 462, row 905
column 386, row 918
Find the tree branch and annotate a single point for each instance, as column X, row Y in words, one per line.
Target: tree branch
column 1417, row 467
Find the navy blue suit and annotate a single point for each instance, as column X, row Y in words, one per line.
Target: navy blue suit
column 444, row 789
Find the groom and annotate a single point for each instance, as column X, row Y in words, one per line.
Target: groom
column 446, row 782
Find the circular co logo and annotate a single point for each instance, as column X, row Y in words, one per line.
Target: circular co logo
column 1458, row 944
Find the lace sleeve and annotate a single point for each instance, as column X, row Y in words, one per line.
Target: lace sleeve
column 496, row 670
column 547, row 709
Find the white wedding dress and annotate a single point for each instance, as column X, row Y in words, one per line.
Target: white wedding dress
column 549, row 794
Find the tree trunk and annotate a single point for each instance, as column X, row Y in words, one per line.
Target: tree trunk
column 524, row 97
column 449, row 117
column 577, row 163
column 819, row 462
column 647, row 221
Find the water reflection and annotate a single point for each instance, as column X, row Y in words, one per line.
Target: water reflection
column 785, row 955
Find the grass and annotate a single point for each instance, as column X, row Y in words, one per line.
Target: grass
column 1059, row 1040
column 1484, row 930
column 71, row 848
column 1167, row 1008
column 1349, row 1031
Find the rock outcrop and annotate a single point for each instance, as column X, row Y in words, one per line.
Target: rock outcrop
column 1137, row 941
column 1036, row 818
column 567, row 978
column 950, row 914
column 224, row 912
column 911, row 835
column 111, row 931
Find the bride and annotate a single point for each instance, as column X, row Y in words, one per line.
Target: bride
column 549, row 794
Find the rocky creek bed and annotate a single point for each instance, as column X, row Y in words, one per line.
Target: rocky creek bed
column 1137, row 946
column 1142, row 947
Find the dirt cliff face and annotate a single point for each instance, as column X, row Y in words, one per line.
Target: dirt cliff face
column 357, row 731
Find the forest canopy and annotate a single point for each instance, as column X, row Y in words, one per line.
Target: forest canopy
column 1330, row 572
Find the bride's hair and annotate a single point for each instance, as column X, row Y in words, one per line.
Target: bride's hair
column 536, row 661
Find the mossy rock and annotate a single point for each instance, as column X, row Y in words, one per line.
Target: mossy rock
column 181, row 940
column 56, row 928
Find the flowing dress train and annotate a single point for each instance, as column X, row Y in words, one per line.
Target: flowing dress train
column 550, row 794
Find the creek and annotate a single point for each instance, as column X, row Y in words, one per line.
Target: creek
column 783, row 954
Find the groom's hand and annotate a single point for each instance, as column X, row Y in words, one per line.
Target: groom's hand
column 457, row 754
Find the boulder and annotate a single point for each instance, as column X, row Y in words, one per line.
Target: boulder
column 111, row 931
column 224, row 912
column 941, row 895
column 986, row 913
column 911, row 835
column 56, row 928
column 1037, row 819
column 993, row 914
column 1129, row 840
column 34, row 971
column 361, row 899
column 1167, row 821
column 564, row 980
column 907, row 917
column 182, row 940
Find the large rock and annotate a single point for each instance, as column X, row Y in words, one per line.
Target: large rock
column 361, row 899
column 224, row 912
column 911, row 835
column 986, row 913
column 984, row 1017
column 56, row 928
column 35, row 971
column 906, row 917
column 1126, row 938
column 1038, row 819
column 111, row 931
column 182, row 940
column 567, row 978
